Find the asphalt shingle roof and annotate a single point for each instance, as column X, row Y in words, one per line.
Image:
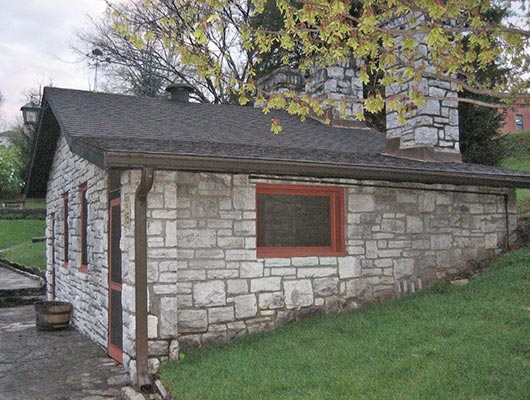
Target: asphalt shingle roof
column 111, row 123
column 154, row 123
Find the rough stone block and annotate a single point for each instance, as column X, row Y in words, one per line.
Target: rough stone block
column 355, row 288
column 304, row 261
column 244, row 228
column 240, row 255
column 325, row 287
column 194, row 238
column 491, row 241
column 220, row 314
column 328, row 261
column 414, row 224
column 269, row 284
column 168, row 317
column 349, row 267
column 392, row 225
column 204, row 207
column 230, row 242
column 441, row 242
column 222, row 273
column 277, row 262
column 237, row 286
column 171, row 233
column 403, row 267
column 275, row 271
column 251, row 270
column 174, row 350
column 316, row 272
column 298, row 293
column 192, row 321
column 245, row 306
column 207, row 294
column 271, row 300
column 360, row 202
column 152, row 326
column 244, row 198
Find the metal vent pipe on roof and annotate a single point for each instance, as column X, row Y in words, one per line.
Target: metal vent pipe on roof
column 180, row 92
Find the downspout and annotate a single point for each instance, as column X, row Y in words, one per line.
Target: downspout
column 140, row 255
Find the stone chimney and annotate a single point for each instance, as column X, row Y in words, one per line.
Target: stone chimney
column 281, row 80
column 339, row 82
column 430, row 132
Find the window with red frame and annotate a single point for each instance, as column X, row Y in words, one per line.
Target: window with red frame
column 84, row 227
column 65, row 229
column 299, row 220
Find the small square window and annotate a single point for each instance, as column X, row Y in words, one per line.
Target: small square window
column 299, row 220
column 519, row 122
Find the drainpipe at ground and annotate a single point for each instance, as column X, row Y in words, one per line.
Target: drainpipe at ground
column 140, row 255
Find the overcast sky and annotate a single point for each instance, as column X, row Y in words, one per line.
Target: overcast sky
column 36, row 38
column 35, row 47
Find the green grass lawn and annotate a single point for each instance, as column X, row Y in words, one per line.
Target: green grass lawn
column 445, row 343
column 35, row 203
column 16, row 245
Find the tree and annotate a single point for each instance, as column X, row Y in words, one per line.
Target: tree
column 169, row 49
column 10, row 182
column 400, row 40
column 139, row 70
column 479, row 126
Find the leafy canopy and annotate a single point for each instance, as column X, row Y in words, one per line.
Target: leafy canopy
column 397, row 40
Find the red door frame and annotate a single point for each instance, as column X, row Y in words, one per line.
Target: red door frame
column 114, row 352
column 52, row 245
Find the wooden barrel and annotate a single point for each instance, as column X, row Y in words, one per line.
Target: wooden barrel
column 52, row 315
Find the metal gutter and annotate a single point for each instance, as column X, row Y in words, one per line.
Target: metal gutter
column 140, row 256
column 310, row 169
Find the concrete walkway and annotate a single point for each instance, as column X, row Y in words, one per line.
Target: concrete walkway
column 17, row 288
column 60, row 365
column 11, row 280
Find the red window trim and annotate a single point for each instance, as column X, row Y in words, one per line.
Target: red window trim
column 66, row 235
column 84, row 228
column 336, row 195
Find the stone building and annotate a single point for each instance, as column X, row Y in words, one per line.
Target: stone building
column 173, row 225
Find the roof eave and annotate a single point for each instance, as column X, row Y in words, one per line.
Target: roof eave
column 309, row 169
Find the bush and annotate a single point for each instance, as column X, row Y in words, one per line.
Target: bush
column 10, row 166
column 523, row 231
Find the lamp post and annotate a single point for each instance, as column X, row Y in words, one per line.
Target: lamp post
column 30, row 113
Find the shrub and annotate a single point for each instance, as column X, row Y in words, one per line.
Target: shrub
column 523, row 231
column 10, row 165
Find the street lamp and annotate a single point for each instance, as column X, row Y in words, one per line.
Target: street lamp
column 30, row 113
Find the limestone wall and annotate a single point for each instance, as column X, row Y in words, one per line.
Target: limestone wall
column 88, row 292
column 206, row 284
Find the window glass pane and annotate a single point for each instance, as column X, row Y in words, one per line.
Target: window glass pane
column 293, row 221
column 519, row 122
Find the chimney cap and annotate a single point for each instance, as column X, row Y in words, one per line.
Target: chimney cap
column 180, row 92
column 179, row 86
